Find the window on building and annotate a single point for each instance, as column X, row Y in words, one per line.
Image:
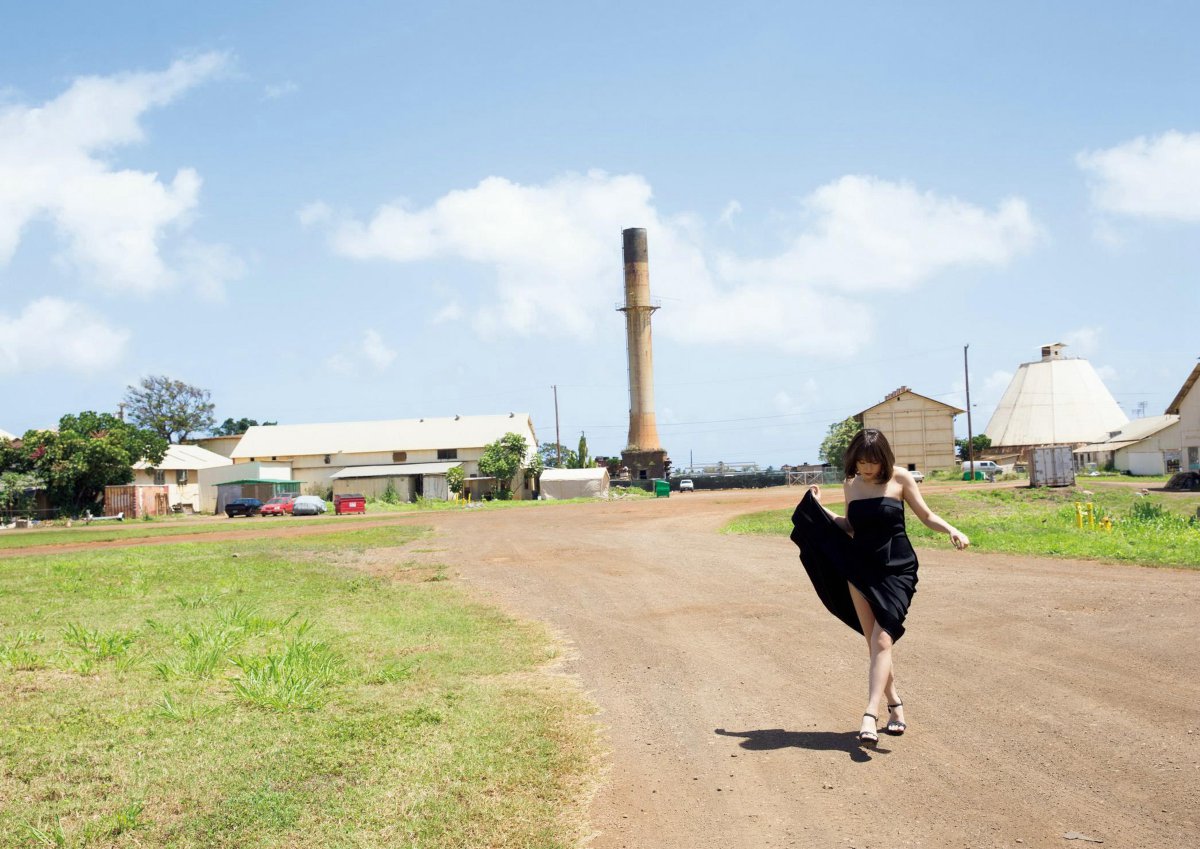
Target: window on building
column 160, row 477
column 402, row 456
column 181, row 477
column 447, row 453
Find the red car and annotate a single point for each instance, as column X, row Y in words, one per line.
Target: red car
column 279, row 505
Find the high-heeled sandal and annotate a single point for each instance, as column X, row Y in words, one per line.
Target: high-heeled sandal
column 894, row 726
column 868, row 738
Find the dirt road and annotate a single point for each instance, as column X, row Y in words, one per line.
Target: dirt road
column 1044, row 697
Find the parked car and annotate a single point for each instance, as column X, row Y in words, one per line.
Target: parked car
column 308, row 505
column 243, row 507
column 686, row 485
column 918, row 476
column 989, row 468
column 279, row 505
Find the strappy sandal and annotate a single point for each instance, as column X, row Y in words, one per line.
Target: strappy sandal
column 894, row 726
column 868, row 738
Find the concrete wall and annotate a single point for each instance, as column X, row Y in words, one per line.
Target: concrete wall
column 188, row 495
column 1148, row 457
column 920, row 431
column 1189, row 429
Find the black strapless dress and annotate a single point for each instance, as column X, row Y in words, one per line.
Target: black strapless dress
column 878, row 559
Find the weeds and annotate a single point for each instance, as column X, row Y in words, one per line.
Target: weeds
column 168, row 708
column 293, row 679
column 48, row 835
column 18, row 654
column 95, row 644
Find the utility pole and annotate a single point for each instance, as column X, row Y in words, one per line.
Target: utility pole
column 557, row 438
column 970, row 436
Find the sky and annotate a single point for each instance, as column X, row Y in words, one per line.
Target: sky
column 403, row 210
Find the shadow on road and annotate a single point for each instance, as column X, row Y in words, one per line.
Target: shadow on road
column 767, row 739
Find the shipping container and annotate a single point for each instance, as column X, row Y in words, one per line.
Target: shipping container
column 1052, row 465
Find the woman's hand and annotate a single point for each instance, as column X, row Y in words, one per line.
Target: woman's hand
column 816, row 492
column 959, row 539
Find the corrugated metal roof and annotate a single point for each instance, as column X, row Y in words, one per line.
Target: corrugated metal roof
column 394, row 470
column 1105, row 446
column 187, row 457
column 597, row 473
column 393, row 435
column 1133, row 433
column 1173, row 407
column 1053, row 402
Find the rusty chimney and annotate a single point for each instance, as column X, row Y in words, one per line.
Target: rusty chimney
column 638, row 308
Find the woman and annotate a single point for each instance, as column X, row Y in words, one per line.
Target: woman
column 862, row 565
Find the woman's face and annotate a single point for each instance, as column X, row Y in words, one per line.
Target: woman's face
column 868, row 470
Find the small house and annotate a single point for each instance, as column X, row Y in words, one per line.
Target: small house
column 920, row 429
column 179, row 472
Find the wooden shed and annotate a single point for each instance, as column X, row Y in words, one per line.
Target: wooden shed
column 920, row 429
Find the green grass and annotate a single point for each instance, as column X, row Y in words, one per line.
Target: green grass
column 115, row 532
column 1149, row 530
column 267, row 693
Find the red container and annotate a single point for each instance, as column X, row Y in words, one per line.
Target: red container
column 349, row 504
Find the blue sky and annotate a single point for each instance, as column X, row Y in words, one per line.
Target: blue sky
column 402, row 210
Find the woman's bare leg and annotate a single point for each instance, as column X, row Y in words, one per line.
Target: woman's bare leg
column 881, row 680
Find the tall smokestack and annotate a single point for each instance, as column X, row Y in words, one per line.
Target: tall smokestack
column 643, row 431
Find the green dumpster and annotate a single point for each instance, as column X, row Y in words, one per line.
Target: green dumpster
column 662, row 489
column 978, row 476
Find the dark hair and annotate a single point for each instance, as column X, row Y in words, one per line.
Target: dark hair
column 871, row 446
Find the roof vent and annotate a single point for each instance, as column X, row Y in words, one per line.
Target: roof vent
column 510, row 415
column 456, row 416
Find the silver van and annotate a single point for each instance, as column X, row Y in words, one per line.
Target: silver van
column 988, row 467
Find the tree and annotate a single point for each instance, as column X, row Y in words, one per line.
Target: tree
column 837, row 440
column 548, row 451
column 582, row 460
column 234, row 427
column 171, row 408
column 88, row 452
column 979, row 442
column 502, row 460
column 454, row 479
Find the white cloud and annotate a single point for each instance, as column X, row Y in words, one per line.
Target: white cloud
column 1154, row 177
column 370, row 349
column 555, row 252
column 275, row 91
column 53, row 165
column 375, row 351
column 208, row 267
column 871, row 234
column 731, row 209
column 314, row 213
column 1083, row 341
column 451, row 312
column 790, row 405
column 1107, row 373
column 52, row 334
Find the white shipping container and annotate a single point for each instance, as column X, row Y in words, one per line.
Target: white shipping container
column 1052, row 465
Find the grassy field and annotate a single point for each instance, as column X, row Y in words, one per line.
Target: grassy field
column 325, row 691
column 1151, row 530
column 57, row 534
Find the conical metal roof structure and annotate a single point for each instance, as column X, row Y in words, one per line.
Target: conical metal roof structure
column 1055, row 400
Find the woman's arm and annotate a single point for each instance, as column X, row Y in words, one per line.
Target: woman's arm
column 841, row 521
column 912, row 494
